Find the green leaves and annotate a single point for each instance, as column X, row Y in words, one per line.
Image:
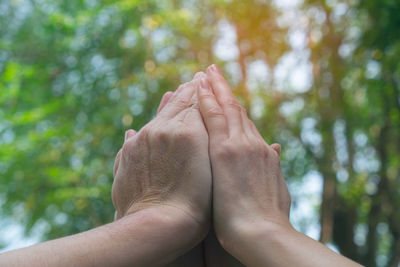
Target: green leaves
column 74, row 75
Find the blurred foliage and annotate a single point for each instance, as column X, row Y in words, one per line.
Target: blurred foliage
column 74, row 75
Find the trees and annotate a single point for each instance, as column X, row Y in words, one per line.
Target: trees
column 75, row 74
column 358, row 118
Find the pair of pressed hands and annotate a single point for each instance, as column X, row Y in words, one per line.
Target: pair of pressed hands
column 200, row 162
column 203, row 162
column 167, row 166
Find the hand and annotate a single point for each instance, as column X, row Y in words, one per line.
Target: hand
column 248, row 186
column 194, row 257
column 166, row 164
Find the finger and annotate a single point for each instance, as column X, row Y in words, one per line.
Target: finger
column 277, row 148
column 232, row 108
column 166, row 97
column 183, row 97
column 199, row 75
column 179, row 101
column 246, row 123
column 212, row 113
column 128, row 134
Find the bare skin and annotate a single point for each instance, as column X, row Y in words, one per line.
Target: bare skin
column 166, row 163
column 162, row 195
column 251, row 202
column 210, row 252
column 162, row 189
column 198, row 174
column 195, row 256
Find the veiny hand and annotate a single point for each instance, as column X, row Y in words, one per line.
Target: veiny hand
column 248, row 186
column 166, row 164
column 194, row 257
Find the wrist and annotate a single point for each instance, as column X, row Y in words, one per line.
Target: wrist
column 277, row 244
column 149, row 237
column 154, row 236
column 247, row 231
column 174, row 219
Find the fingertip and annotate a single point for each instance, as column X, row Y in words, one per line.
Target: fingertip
column 199, row 75
column 277, row 148
column 129, row 134
column 213, row 69
column 217, row 80
column 168, row 94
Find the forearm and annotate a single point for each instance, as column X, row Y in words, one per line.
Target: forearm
column 283, row 246
column 145, row 238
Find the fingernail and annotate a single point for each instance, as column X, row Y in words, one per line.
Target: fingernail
column 214, row 68
column 204, row 86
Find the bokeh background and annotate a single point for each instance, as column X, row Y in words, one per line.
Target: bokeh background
column 320, row 77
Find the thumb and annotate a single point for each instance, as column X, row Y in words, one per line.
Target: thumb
column 277, row 148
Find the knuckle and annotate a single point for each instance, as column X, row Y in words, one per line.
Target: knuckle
column 144, row 134
column 227, row 151
column 145, row 130
column 221, row 153
column 233, row 104
column 180, row 103
column 159, row 135
column 251, row 150
column 214, row 112
column 248, row 149
column 206, row 96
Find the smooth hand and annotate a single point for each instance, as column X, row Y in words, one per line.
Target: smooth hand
column 251, row 202
column 248, row 186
